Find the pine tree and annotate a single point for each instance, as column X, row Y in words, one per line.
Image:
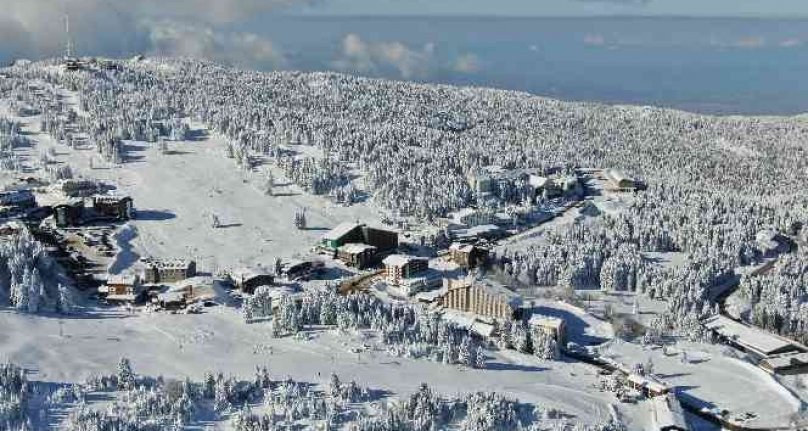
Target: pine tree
column 126, row 378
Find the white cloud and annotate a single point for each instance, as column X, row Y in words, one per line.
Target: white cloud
column 171, row 38
column 33, row 27
column 594, row 40
column 790, row 43
column 364, row 57
column 467, row 63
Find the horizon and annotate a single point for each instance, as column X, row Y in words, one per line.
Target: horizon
column 710, row 65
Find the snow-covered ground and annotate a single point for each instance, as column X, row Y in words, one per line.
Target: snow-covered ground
column 174, row 194
column 718, row 380
column 189, row 345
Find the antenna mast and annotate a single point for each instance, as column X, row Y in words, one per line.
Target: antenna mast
column 69, row 44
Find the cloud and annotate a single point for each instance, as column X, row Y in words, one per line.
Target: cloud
column 170, row 38
column 467, row 63
column 594, row 40
column 745, row 42
column 620, row 2
column 790, row 43
column 372, row 58
column 32, row 28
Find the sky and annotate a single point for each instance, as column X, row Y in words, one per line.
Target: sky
column 373, row 37
column 577, row 8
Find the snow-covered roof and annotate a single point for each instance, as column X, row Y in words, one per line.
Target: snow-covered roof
column 464, row 248
column 247, row 273
column 546, row 321
column 430, row 296
column 491, row 287
column 751, row 338
column 617, row 175
column 176, row 296
column 122, row 280
column 538, row 181
column 340, row 231
column 457, row 215
column 668, row 414
column 175, row 263
column 787, row 360
column 356, row 247
column 399, row 259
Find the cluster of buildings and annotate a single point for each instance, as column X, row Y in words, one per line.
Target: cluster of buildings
column 495, row 182
column 76, row 211
column 149, row 285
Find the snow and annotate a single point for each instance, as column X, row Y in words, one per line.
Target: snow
column 177, row 345
column 753, row 338
column 714, row 379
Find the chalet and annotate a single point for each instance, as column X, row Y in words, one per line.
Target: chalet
column 467, row 256
column 619, row 181
column 347, row 233
column 173, row 300
column 481, row 183
column 471, row 217
column 69, row 213
column 114, row 207
column 77, row 187
column 771, row 243
column 554, row 326
column 341, row 235
column 168, row 270
column 486, row 231
column 481, row 297
column 249, row 279
column 301, row 269
column 122, row 288
column 544, row 187
column 398, row 267
column 356, row 254
column 569, row 185
column 648, row 385
column 756, row 342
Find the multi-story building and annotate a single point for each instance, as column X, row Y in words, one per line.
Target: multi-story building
column 168, row 271
column 467, row 255
column 398, row 267
column 116, row 207
column 356, row 254
column 481, row 297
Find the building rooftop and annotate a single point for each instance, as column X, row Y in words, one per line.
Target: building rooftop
column 399, row 259
column 751, row 338
column 493, row 288
column 175, row 263
column 667, row 413
column 545, row 321
column 340, row 231
column 175, row 296
column 356, row 247
column 787, row 360
column 122, row 279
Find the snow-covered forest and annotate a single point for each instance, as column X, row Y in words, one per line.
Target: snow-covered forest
column 265, row 402
column 713, row 182
column 778, row 300
column 30, row 279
